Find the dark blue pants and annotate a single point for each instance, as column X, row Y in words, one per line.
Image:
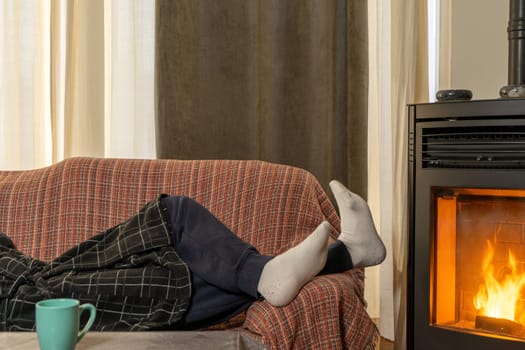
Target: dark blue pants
column 225, row 270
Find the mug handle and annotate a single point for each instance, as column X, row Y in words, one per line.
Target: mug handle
column 92, row 313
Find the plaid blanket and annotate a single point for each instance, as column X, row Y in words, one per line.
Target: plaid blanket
column 129, row 272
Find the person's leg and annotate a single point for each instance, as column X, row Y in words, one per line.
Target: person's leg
column 358, row 244
column 223, row 268
column 338, row 259
column 210, row 249
column 228, row 274
column 210, row 304
column 358, row 235
column 222, row 260
column 284, row 275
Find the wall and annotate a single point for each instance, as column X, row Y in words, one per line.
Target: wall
column 479, row 46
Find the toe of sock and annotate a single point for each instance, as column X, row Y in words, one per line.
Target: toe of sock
column 336, row 186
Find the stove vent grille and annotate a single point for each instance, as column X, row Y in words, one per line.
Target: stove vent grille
column 474, row 147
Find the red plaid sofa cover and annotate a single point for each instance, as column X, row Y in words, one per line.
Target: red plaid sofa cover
column 274, row 207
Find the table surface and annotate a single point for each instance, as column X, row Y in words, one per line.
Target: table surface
column 137, row 340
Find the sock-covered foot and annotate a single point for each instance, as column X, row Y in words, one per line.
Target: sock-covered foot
column 358, row 232
column 284, row 275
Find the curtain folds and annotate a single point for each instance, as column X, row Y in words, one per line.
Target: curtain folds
column 399, row 65
column 24, row 115
column 282, row 81
column 76, row 79
column 129, row 78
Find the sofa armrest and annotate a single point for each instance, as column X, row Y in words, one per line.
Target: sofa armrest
column 328, row 313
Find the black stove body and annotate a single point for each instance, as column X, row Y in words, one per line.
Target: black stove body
column 466, row 222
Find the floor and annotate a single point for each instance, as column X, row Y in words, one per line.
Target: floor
column 385, row 344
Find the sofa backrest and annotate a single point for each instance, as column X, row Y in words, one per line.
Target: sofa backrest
column 46, row 211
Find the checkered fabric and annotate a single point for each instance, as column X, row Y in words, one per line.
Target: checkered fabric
column 273, row 207
column 131, row 273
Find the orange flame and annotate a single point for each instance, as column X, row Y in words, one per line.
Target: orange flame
column 499, row 298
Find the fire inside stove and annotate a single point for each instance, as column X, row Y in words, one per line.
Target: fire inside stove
column 478, row 261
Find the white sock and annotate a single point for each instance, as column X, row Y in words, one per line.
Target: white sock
column 358, row 232
column 284, row 275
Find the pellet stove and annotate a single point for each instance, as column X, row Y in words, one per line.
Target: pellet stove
column 466, row 265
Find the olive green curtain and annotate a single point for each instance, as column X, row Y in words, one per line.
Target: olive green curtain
column 284, row 81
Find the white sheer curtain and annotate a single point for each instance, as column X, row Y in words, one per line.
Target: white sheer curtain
column 24, row 89
column 76, row 79
column 398, row 76
column 130, row 92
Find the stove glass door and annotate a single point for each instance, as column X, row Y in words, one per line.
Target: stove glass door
column 477, row 279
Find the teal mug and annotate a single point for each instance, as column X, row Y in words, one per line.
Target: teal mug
column 58, row 323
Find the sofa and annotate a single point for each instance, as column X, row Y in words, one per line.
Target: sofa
column 274, row 207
